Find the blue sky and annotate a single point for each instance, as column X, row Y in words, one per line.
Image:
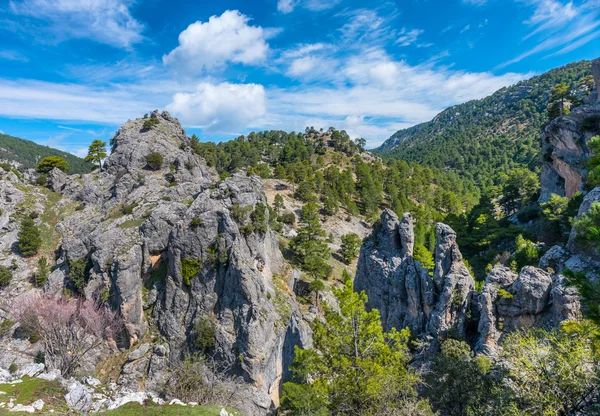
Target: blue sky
column 72, row 71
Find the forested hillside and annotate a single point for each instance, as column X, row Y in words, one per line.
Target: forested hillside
column 482, row 139
column 28, row 154
column 329, row 168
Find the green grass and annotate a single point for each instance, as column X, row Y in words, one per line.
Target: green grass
column 32, row 389
column 132, row 223
column 134, row 409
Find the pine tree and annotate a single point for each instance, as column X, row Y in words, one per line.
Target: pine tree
column 309, row 247
column 354, row 366
column 29, row 238
column 350, row 246
column 96, row 152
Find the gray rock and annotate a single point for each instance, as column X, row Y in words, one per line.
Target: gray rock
column 57, row 179
column 32, row 370
column 78, row 397
column 402, row 290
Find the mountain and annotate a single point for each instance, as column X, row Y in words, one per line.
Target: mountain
column 482, row 138
column 27, row 154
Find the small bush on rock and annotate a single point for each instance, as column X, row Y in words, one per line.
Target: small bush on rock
column 204, row 334
column 5, row 276
column 154, row 160
column 189, row 269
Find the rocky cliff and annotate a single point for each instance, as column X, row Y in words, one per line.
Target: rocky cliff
column 443, row 302
column 403, row 291
column 170, row 248
column 564, row 146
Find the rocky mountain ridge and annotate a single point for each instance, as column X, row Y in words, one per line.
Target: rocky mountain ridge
column 169, row 247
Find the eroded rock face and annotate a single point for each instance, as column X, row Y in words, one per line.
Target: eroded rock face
column 564, row 148
column 447, row 303
column 169, row 247
column 403, row 291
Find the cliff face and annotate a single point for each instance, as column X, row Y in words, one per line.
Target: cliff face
column 169, row 247
column 403, row 291
column 564, row 146
column 433, row 306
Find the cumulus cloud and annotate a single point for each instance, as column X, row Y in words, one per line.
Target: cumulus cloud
column 220, row 108
column 105, row 21
column 223, row 39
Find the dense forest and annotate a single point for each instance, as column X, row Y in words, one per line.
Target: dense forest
column 485, row 139
column 28, row 154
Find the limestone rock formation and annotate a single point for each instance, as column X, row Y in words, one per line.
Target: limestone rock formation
column 564, row 149
column 403, row 291
column 435, row 306
column 172, row 248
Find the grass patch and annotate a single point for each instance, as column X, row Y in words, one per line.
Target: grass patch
column 32, row 389
column 131, row 224
column 134, row 409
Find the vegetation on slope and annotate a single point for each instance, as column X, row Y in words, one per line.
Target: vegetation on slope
column 28, row 154
column 483, row 139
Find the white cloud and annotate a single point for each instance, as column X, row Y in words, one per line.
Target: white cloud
column 408, row 37
column 105, row 21
column 13, row 56
column 220, row 108
column 223, row 39
column 303, row 50
column 559, row 28
column 303, row 66
column 384, row 74
column 475, row 2
column 288, row 6
column 46, row 100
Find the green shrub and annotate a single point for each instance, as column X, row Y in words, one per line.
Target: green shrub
column 5, row 276
column 154, row 160
column 149, row 123
column 50, row 162
column 196, row 222
column 587, row 227
column 41, row 277
column 29, row 237
column 5, row 327
column 505, row 294
column 40, row 357
column 128, row 209
column 6, row 166
column 288, row 218
column 78, row 273
column 189, row 269
column 204, row 334
column 13, row 368
column 526, row 253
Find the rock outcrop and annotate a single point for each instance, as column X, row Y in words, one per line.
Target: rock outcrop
column 172, row 249
column 564, row 148
column 403, row 291
column 446, row 303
